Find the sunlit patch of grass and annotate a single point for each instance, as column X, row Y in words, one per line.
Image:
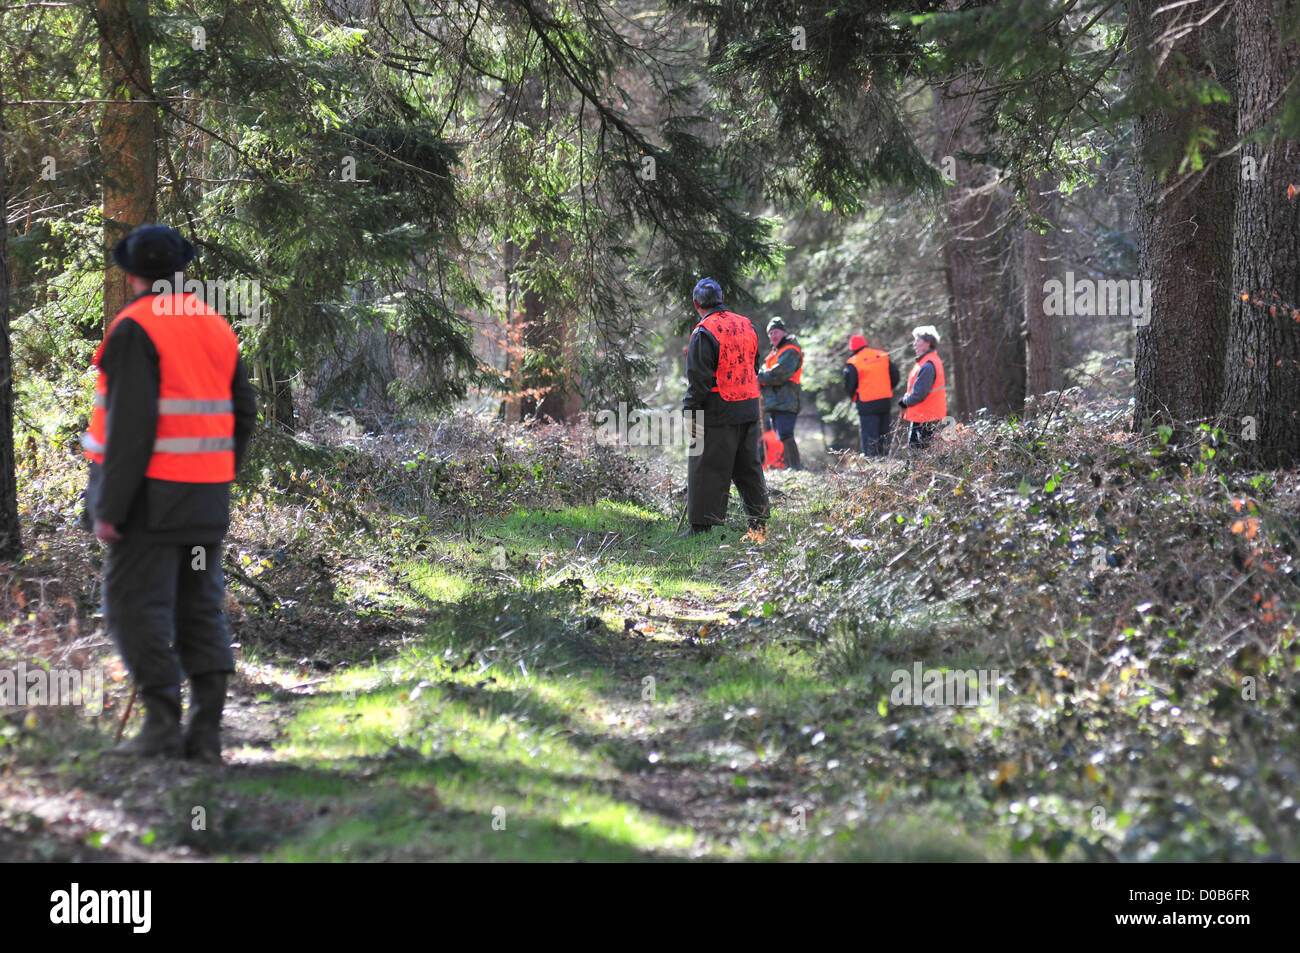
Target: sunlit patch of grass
column 768, row 675
column 475, row 765
column 435, row 583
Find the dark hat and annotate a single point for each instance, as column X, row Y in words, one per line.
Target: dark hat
column 153, row 252
column 707, row 293
column 776, row 323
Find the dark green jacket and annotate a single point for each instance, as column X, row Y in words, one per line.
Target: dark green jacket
column 780, row 394
column 118, row 492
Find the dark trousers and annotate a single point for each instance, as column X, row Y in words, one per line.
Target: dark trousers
column 875, row 432
column 163, row 609
column 783, row 424
column 729, row 455
column 920, row 435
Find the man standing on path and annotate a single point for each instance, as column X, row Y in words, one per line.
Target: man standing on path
column 721, row 370
column 870, row 377
column 926, row 401
column 780, row 378
column 172, row 417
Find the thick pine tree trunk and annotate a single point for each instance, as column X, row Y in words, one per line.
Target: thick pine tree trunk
column 1263, row 352
column 127, row 138
column 987, row 366
column 1041, row 264
column 1184, row 227
column 11, row 539
column 548, row 378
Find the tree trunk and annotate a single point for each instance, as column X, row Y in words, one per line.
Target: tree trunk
column 547, row 380
column 987, row 350
column 1184, row 225
column 11, row 539
column 127, row 138
column 1262, row 394
column 1041, row 263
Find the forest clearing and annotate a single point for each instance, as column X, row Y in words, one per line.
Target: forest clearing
column 620, row 431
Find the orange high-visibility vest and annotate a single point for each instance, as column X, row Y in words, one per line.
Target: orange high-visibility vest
column 773, row 451
column 873, row 374
column 775, row 356
column 935, row 405
column 735, row 378
column 197, row 354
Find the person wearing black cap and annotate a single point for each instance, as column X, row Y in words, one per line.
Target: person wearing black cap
column 780, row 381
column 870, row 377
column 722, row 381
column 171, row 422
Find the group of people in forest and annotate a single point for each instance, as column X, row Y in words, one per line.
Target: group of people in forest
column 750, row 404
column 174, row 412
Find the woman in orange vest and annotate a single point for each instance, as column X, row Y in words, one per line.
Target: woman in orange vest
column 870, row 377
column 780, row 380
column 926, row 401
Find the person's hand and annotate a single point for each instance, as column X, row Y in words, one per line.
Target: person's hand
column 107, row 532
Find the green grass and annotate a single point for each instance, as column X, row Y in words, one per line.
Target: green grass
column 512, row 708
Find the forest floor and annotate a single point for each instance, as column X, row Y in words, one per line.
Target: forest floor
column 498, row 650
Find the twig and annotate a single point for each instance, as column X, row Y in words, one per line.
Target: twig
column 266, row 595
column 122, row 725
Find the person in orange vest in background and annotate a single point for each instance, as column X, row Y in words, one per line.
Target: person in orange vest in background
column 722, row 381
column 171, row 422
column 773, row 451
column 780, row 377
column 926, row 401
column 870, row 377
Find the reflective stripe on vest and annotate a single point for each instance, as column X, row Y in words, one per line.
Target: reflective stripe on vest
column 935, row 405
column 775, row 355
column 873, row 374
column 735, row 378
column 173, row 405
column 197, row 354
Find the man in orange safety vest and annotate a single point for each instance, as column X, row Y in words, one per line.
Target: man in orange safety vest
column 870, row 377
column 722, row 384
column 172, row 417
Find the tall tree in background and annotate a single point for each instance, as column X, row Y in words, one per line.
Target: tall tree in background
column 11, row 540
column 128, row 134
column 1263, row 348
column 1180, row 53
column 1042, row 261
column 987, row 350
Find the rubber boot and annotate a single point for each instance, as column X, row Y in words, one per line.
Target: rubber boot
column 791, row 454
column 203, row 734
column 161, row 735
column 694, row 530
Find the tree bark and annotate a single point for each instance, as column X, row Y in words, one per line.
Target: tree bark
column 547, row 378
column 987, row 350
column 1262, row 394
column 1041, row 264
column 127, row 138
column 11, row 539
column 1184, row 223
